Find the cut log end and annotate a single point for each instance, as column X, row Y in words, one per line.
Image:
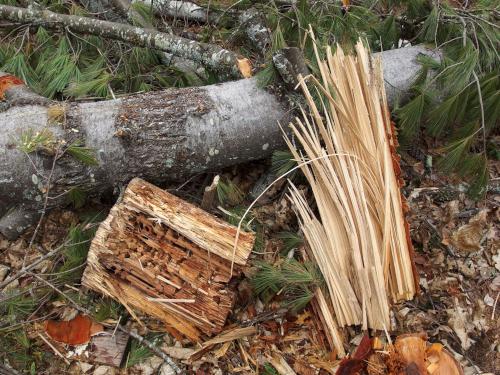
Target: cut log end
column 161, row 255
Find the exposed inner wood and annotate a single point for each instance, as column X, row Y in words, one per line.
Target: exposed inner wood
column 356, row 229
column 148, row 255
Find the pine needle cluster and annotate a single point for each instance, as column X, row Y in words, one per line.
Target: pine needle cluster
column 296, row 281
column 455, row 101
column 64, row 65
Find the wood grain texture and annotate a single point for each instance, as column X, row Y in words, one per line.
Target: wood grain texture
column 154, row 245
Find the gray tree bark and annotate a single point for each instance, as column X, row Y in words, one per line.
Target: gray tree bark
column 159, row 136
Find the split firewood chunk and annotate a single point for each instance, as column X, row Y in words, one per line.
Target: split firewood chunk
column 167, row 258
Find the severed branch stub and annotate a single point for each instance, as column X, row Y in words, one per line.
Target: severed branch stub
column 167, row 258
column 209, row 195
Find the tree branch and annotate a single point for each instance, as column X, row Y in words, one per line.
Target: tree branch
column 214, row 57
column 185, row 10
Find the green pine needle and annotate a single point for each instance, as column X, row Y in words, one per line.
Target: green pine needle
column 229, row 193
column 18, row 66
column 282, row 162
column 268, row 369
column 298, row 281
column 32, row 141
column 411, row 117
column 18, row 307
column 76, row 197
column 83, row 154
column 75, row 253
column 138, row 353
column 290, row 240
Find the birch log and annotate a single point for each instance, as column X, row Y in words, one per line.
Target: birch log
column 159, row 136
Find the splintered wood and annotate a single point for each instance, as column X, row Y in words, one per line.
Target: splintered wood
column 356, row 230
column 161, row 255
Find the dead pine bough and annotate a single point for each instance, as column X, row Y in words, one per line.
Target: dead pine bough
column 158, row 254
column 356, row 231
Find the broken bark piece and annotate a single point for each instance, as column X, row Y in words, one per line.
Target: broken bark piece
column 227, row 336
column 290, row 63
column 108, row 349
column 210, row 194
column 161, row 255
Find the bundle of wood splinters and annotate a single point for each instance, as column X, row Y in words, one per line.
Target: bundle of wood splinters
column 356, row 229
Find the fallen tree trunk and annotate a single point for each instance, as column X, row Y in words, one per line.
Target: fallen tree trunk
column 159, row 136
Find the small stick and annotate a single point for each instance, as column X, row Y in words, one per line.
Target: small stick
column 161, row 278
column 27, row 269
column 209, row 194
column 171, row 300
column 46, row 201
column 54, row 349
column 136, row 336
column 153, row 348
column 117, row 324
column 494, row 307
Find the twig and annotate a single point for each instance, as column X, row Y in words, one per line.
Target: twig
column 172, row 300
column 54, row 349
column 116, row 327
column 27, row 269
column 494, row 307
column 481, row 106
column 48, row 283
column 153, row 348
column 7, row 370
column 136, row 336
column 45, row 203
column 218, row 59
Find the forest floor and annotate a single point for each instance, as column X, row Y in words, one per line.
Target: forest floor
column 457, row 257
column 456, row 238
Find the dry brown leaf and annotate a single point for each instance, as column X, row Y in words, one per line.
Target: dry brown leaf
column 77, row 331
column 412, row 349
column 178, row 353
column 226, row 336
column 280, row 364
column 245, row 68
column 468, row 237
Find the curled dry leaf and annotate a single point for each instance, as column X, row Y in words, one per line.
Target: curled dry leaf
column 410, row 355
column 77, row 331
column 354, row 364
column 245, row 68
column 8, row 81
column 412, row 349
column 420, row 358
column 468, row 237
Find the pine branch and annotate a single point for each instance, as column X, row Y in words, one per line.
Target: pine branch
column 217, row 59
